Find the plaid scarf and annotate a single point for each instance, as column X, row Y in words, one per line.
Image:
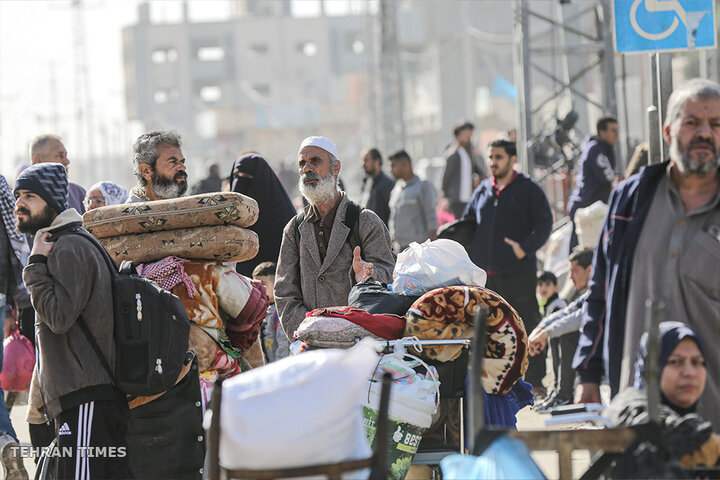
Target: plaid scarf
column 7, row 206
column 167, row 273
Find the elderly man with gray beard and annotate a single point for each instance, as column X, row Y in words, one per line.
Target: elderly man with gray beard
column 660, row 241
column 318, row 262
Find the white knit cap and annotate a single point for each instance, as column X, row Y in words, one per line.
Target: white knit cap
column 320, row 142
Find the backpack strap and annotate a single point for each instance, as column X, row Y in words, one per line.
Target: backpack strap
column 352, row 221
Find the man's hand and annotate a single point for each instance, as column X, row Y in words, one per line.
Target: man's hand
column 537, row 341
column 588, row 393
column 42, row 246
column 361, row 268
column 519, row 252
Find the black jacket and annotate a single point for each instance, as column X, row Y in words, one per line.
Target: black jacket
column 520, row 212
column 380, row 195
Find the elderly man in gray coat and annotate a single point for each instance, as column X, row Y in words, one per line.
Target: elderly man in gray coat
column 317, row 265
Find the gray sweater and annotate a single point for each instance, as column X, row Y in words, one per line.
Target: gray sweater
column 567, row 320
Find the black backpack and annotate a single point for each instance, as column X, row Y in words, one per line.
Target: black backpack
column 151, row 328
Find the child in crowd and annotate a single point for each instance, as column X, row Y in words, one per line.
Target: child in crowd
column 274, row 342
column 549, row 303
column 547, row 293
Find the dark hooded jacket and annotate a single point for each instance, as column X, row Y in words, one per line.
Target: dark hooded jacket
column 257, row 180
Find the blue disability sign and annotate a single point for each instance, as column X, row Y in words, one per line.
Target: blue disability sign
column 657, row 25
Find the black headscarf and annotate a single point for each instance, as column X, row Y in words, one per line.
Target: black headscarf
column 671, row 334
column 276, row 209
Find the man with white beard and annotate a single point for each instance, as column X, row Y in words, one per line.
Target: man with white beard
column 321, row 256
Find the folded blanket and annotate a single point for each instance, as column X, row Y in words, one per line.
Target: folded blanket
column 330, row 332
column 244, row 329
column 387, row 326
column 447, row 313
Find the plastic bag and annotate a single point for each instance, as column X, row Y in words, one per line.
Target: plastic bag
column 505, row 459
column 18, row 363
column 589, row 222
column 440, row 263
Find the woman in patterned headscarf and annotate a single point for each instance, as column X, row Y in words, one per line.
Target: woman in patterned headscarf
column 104, row 193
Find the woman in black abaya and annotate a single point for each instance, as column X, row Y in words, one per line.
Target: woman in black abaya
column 252, row 176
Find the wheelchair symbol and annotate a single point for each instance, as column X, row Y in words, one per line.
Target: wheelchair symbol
column 657, row 6
column 691, row 20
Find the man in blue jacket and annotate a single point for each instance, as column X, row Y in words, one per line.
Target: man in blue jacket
column 513, row 221
column 660, row 241
column 597, row 171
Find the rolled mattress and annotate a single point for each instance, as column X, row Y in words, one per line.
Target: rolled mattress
column 220, row 243
column 205, row 210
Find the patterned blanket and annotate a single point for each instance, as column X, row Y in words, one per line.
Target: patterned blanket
column 447, row 313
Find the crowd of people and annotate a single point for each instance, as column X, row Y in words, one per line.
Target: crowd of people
column 660, row 241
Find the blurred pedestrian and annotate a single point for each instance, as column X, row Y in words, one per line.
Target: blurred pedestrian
column 103, row 194
column 212, row 183
column 14, row 253
column 638, row 160
column 49, row 148
column 596, row 175
column 412, row 205
column 377, row 185
column 252, row 176
column 463, row 166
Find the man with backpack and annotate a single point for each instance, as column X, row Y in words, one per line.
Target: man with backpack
column 70, row 283
column 329, row 247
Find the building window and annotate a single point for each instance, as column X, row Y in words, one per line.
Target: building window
column 262, row 89
column 358, row 46
column 161, row 97
column 210, row 93
column 164, row 55
column 309, row 49
column 210, row 54
column 259, row 48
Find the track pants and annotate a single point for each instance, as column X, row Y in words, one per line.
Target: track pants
column 92, row 441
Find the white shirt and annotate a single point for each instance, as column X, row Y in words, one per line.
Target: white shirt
column 465, row 175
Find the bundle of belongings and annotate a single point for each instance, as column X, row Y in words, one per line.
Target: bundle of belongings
column 431, row 302
column 181, row 244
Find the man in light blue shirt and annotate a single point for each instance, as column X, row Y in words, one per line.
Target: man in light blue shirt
column 412, row 205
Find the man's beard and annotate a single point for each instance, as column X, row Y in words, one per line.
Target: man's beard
column 35, row 222
column 502, row 173
column 322, row 192
column 165, row 187
column 687, row 165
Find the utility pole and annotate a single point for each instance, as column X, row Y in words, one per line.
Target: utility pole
column 83, row 98
column 588, row 58
column 392, row 129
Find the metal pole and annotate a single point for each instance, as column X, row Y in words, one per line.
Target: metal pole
column 626, row 115
column 665, row 86
column 476, row 412
column 654, row 145
column 522, row 78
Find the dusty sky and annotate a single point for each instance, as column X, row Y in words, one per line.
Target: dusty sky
column 38, row 74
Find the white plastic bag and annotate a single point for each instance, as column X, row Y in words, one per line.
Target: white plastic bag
column 440, row 263
column 298, row 411
column 589, row 222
